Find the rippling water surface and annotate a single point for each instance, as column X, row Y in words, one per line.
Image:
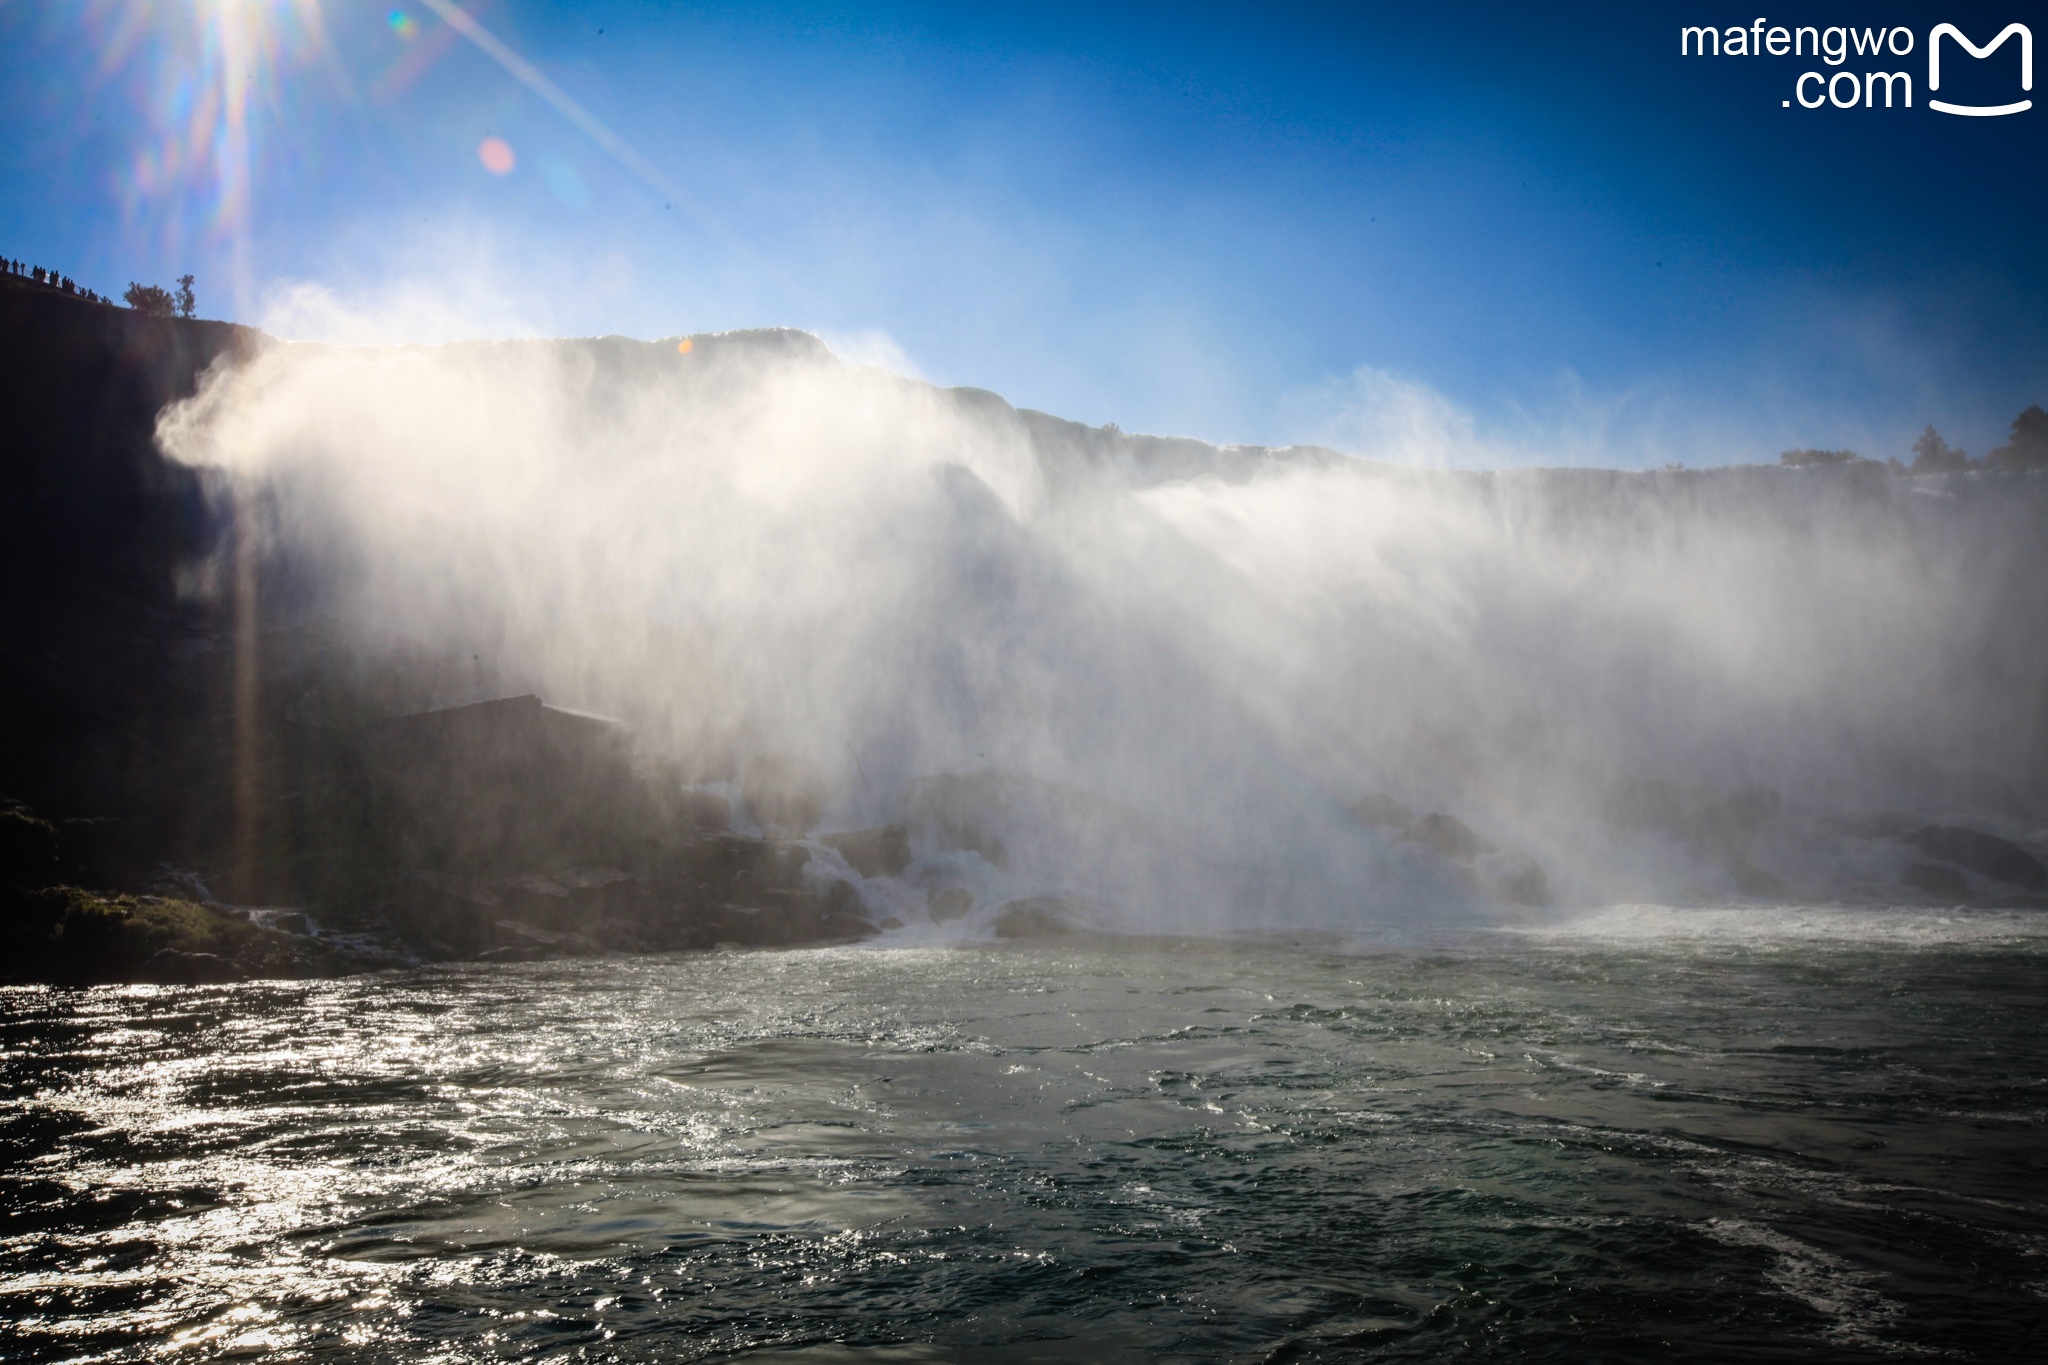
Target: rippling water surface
column 1697, row 1135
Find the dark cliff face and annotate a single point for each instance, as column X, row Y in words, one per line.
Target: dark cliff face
column 113, row 691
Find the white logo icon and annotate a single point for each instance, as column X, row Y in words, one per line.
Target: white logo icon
column 1980, row 110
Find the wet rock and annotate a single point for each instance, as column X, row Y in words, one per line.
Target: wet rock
column 28, row 848
column 1381, row 811
column 889, row 922
column 532, row 934
column 534, row 897
column 1513, row 878
column 453, row 887
column 1039, row 917
column 1449, row 836
column 516, row 952
column 174, row 967
column 841, row 899
column 845, row 929
column 599, row 892
column 1987, row 855
column 696, row 810
column 1944, row 883
column 882, row 852
column 1878, row 825
column 950, row 904
column 1751, row 880
column 1715, row 827
column 291, row 922
column 506, row 783
column 956, row 811
column 585, row 880
column 441, row 907
column 784, row 794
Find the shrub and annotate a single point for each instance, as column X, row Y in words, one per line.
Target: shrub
column 1818, row 459
column 147, row 298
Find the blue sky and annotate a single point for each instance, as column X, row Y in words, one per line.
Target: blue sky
column 1535, row 233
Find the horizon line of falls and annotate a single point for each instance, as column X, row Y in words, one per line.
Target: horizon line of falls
column 1164, row 674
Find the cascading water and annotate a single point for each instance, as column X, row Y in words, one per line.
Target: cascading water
column 1160, row 674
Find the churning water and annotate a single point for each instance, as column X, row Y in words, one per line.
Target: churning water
column 1691, row 1134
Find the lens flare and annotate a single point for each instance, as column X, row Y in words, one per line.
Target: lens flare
column 402, row 24
column 214, row 98
column 496, row 156
column 685, row 346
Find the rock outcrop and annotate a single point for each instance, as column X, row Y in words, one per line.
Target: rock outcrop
column 1505, row 876
column 1987, row 855
column 1039, row 917
column 882, row 852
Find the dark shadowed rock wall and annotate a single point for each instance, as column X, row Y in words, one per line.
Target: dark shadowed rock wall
column 113, row 685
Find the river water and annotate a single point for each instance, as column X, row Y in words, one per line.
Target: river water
column 1701, row 1135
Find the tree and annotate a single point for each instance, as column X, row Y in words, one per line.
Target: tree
column 1818, row 459
column 147, row 298
column 1932, row 455
column 187, row 303
column 2028, row 448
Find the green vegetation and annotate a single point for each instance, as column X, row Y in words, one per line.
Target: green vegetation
column 2026, row 449
column 76, row 937
column 2028, row 446
column 148, row 298
column 1819, row 459
column 1932, row 455
column 64, row 934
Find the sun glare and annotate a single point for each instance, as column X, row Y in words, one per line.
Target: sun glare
column 209, row 74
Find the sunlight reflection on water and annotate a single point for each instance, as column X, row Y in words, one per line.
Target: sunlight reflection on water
column 1599, row 1138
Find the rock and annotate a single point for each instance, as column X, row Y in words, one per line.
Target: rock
column 1880, row 825
column 1987, row 855
column 882, row 852
column 1515, row 878
column 841, row 899
column 172, row 967
column 1381, row 811
column 292, row 922
column 599, row 891
column 1448, row 835
column 28, row 848
column 587, row 879
column 1944, row 883
column 703, row 810
column 1745, row 813
column 1038, row 917
column 521, row 931
column 890, row 922
column 450, row 909
column 845, row 929
column 506, row 783
column 1752, row 880
column 1712, row 826
column 516, row 952
column 457, row 888
column 957, row 811
column 950, row 904
column 535, row 897
column 784, row 794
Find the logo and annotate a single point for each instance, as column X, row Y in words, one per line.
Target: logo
column 1980, row 110
column 1834, row 46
